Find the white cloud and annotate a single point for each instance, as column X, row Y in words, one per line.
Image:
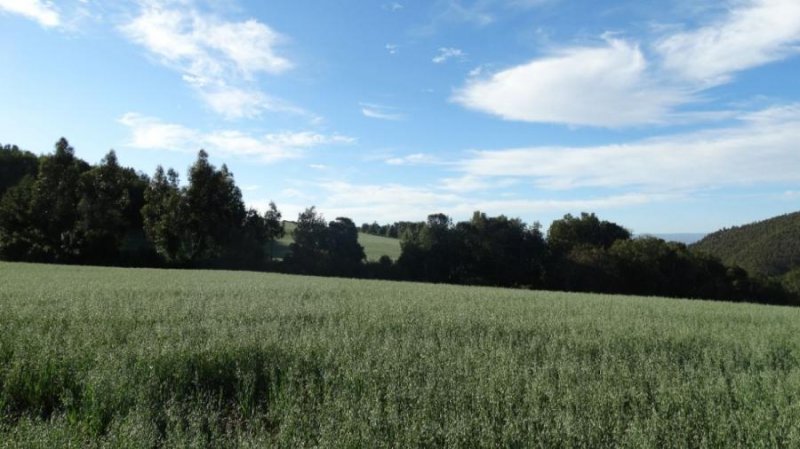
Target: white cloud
column 446, row 53
column 762, row 150
column 614, row 85
column 148, row 132
column 380, row 112
column 203, row 45
column 392, row 48
column 233, row 103
column 756, row 33
column 389, row 202
column 471, row 183
column 151, row 133
column 596, row 86
column 43, row 12
column 219, row 59
column 395, row 202
column 413, row 159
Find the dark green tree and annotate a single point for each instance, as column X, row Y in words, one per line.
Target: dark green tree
column 164, row 218
column 502, row 251
column 103, row 210
column 19, row 239
column 307, row 254
column 15, row 164
column 214, row 210
column 274, row 227
column 588, row 230
column 54, row 204
column 345, row 254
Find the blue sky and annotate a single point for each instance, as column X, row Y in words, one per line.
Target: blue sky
column 661, row 115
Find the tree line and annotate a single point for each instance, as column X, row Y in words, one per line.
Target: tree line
column 58, row 208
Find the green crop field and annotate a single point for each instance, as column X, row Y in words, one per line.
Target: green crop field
column 374, row 246
column 124, row 358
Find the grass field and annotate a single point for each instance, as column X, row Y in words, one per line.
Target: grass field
column 102, row 357
column 374, row 246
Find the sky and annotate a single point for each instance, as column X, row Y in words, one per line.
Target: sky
column 664, row 116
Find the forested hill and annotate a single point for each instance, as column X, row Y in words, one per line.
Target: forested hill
column 770, row 247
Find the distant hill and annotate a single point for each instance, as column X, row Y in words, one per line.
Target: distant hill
column 686, row 237
column 374, row 246
column 770, row 247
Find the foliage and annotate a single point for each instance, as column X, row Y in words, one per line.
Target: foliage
column 375, row 246
column 770, row 247
column 51, row 210
column 106, row 357
column 214, row 211
column 65, row 210
column 15, row 164
column 163, row 216
column 587, row 230
column 18, row 236
column 274, row 229
column 108, row 210
column 321, row 248
column 484, row 250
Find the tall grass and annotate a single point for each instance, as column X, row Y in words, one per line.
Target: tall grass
column 103, row 357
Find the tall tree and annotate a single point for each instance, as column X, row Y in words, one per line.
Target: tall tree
column 307, row 253
column 19, row 238
column 15, row 164
column 502, row 251
column 274, row 227
column 214, row 210
column 163, row 216
column 345, row 254
column 54, row 203
column 102, row 210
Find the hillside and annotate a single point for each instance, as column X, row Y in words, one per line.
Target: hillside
column 770, row 247
column 374, row 246
column 144, row 358
column 686, row 238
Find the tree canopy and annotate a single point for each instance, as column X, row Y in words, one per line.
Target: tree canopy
column 58, row 208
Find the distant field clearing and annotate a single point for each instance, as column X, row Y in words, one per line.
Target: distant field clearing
column 374, row 246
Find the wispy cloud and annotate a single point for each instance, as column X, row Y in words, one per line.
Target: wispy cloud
column 446, row 53
column 754, row 33
column 392, row 49
column 616, row 84
column 43, row 12
column 413, row 159
column 471, row 183
column 395, row 202
column 152, row 133
column 393, row 6
column 478, row 13
column 220, row 59
column 762, row 149
column 380, row 112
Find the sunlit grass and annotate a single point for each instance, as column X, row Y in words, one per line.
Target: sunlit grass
column 104, row 357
